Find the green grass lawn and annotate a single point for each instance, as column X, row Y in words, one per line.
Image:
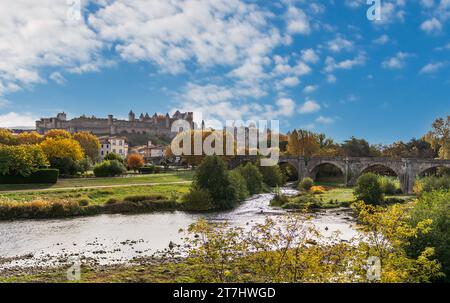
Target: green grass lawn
column 72, row 189
column 344, row 195
column 98, row 196
column 88, row 182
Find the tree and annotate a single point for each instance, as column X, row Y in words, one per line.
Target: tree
column 253, row 178
column 212, row 175
column 358, row 148
column 439, row 137
column 272, row 175
column 135, row 162
column 368, row 189
column 21, row 159
column 63, row 154
column 302, row 143
column 30, row 138
column 7, row 137
column 58, row 134
column 89, row 143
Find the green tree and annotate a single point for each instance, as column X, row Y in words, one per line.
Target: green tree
column 368, row 189
column 272, row 175
column 212, row 175
column 238, row 186
column 253, row 178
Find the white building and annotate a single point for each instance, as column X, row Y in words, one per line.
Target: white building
column 117, row 145
column 149, row 151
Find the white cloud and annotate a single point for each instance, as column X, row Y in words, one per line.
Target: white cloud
column 383, row 39
column 332, row 65
column 431, row 26
column 310, row 106
column 37, row 35
column 14, row 119
column 172, row 33
column 309, row 56
column 432, row 67
column 340, row 44
column 310, row 89
column 58, row 78
column 324, row 120
column 297, row 21
column 396, row 62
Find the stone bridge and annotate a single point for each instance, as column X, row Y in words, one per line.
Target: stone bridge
column 407, row 170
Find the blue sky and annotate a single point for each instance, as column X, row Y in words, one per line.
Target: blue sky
column 321, row 65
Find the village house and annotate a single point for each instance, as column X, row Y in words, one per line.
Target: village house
column 117, row 145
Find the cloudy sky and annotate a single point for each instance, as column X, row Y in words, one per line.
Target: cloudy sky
column 321, row 65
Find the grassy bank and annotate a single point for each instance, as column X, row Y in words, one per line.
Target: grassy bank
column 92, row 182
column 71, row 199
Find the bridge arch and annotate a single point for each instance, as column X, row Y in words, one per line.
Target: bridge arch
column 386, row 169
column 336, row 168
column 437, row 169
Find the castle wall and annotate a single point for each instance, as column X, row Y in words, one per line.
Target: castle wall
column 160, row 126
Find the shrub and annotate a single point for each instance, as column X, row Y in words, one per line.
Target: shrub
column 83, row 202
column 135, row 162
column 302, row 202
column 429, row 184
column 84, row 165
column 198, row 200
column 306, row 184
column 238, row 187
column 317, row 190
column 253, row 178
column 389, row 185
column 111, row 201
column 272, row 175
column 41, row 176
column 435, row 206
column 113, row 156
column 147, row 170
column 279, row 199
column 109, row 169
column 145, row 198
column 368, row 189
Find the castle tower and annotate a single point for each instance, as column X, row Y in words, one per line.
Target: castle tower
column 131, row 116
column 61, row 116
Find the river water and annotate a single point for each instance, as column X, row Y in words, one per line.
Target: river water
column 109, row 239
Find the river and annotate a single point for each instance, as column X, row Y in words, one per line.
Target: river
column 109, row 239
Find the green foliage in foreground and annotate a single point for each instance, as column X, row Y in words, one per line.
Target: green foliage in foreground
column 434, row 206
column 368, row 189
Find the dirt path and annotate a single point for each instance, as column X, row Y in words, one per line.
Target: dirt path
column 92, row 187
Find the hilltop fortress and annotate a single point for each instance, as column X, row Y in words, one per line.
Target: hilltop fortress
column 159, row 125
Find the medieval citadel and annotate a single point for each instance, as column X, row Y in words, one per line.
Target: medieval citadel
column 159, row 125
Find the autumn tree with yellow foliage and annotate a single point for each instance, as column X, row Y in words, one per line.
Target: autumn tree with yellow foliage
column 30, row 138
column 89, row 143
